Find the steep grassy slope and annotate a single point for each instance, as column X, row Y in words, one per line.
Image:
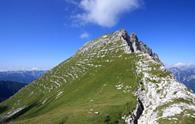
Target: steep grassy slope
column 95, row 86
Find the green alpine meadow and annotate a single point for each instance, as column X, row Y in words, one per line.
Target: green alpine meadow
column 114, row 79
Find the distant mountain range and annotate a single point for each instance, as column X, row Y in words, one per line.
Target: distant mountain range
column 185, row 75
column 12, row 81
column 9, row 88
column 20, row 76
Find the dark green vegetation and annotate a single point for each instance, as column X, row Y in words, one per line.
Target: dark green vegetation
column 9, row 88
column 96, row 86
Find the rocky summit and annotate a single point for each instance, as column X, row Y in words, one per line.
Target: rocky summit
column 114, row 79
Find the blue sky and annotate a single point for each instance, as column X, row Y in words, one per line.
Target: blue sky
column 42, row 33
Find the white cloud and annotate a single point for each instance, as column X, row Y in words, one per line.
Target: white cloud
column 75, row 2
column 84, row 35
column 105, row 13
column 34, row 68
column 182, row 65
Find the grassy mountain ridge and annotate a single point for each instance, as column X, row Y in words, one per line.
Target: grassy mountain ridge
column 90, row 87
column 114, row 79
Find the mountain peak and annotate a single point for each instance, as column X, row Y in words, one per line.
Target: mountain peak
column 133, row 37
column 113, row 79
column 122, row 30
column 121, row 33
column 129, row 44
column 133, row 45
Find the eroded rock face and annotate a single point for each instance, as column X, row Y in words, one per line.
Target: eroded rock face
column 160, row 96
column 133, row 38
column 135, row 115
column 134, row 45
column 131, row 44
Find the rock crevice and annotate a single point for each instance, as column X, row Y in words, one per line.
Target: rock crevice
column 135, row 115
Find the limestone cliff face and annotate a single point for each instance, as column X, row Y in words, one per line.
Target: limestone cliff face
column 161, row 99
column 136, row 46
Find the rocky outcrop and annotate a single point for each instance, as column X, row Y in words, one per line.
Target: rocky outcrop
column 160, row 96
column 131, row 43
column 135, row 115
column 136, row 46
column 161, row 92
